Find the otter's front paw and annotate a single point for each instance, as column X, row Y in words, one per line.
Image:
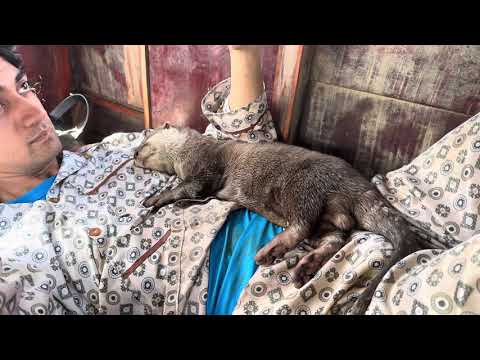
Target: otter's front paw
column 279, row 246
column 158, row 201
column 309, row 265
column 270, row 252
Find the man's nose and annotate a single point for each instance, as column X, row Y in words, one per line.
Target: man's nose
column 30, row 113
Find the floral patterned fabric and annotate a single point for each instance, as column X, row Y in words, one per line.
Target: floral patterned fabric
column 433, row 282
column 439, row 191
column 426, row 282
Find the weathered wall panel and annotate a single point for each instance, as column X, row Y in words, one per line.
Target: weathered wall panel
column 373, row 133
column 181, row 74
column 379, row 106
column 110, row 71
column 292, row 74
column 443, row 76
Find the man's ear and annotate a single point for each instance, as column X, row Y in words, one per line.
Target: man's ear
column 166, row 125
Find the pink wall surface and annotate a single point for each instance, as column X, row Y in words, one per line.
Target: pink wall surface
column 180, row 75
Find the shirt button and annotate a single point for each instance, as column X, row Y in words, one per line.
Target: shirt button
column 94, row 231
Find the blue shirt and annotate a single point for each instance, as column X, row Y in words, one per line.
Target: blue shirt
column 39, row 192
column 232, row 255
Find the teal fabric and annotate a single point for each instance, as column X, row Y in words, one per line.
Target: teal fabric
column 39, row 192
column 232, row 255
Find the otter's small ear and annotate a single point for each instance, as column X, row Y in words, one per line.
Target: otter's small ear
column 166, row 126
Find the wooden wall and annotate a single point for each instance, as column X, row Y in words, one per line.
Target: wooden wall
column 179, row 76
column 112, row 72
column 111, row 77
column 379, row 106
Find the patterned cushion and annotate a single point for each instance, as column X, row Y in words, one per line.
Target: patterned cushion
column 439, row 191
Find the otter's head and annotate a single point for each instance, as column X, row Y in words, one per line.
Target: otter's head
column 158, row 151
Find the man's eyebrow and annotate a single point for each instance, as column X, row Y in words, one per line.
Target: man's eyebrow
column 21, row 73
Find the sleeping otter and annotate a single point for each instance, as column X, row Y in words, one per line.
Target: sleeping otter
column 308, row 193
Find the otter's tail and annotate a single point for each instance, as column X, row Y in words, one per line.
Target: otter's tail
column 374, row 214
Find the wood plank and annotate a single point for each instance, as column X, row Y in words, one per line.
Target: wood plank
column 134, row 58
column 129, row 112
column 106, row 122
column 145, row 88
column 63, row 70
column 443, row 76
column 291, row 76
column 375, row 134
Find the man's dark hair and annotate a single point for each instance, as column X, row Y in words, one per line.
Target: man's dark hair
column 7, row 52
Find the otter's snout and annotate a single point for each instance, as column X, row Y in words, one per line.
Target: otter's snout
column 139, row 155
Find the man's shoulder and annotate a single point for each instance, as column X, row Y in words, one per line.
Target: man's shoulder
column 120, row 141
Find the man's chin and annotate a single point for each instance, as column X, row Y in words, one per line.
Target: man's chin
column 48, row 151
column 53, row 149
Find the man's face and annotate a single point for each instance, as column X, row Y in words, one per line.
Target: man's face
column 28, row 142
